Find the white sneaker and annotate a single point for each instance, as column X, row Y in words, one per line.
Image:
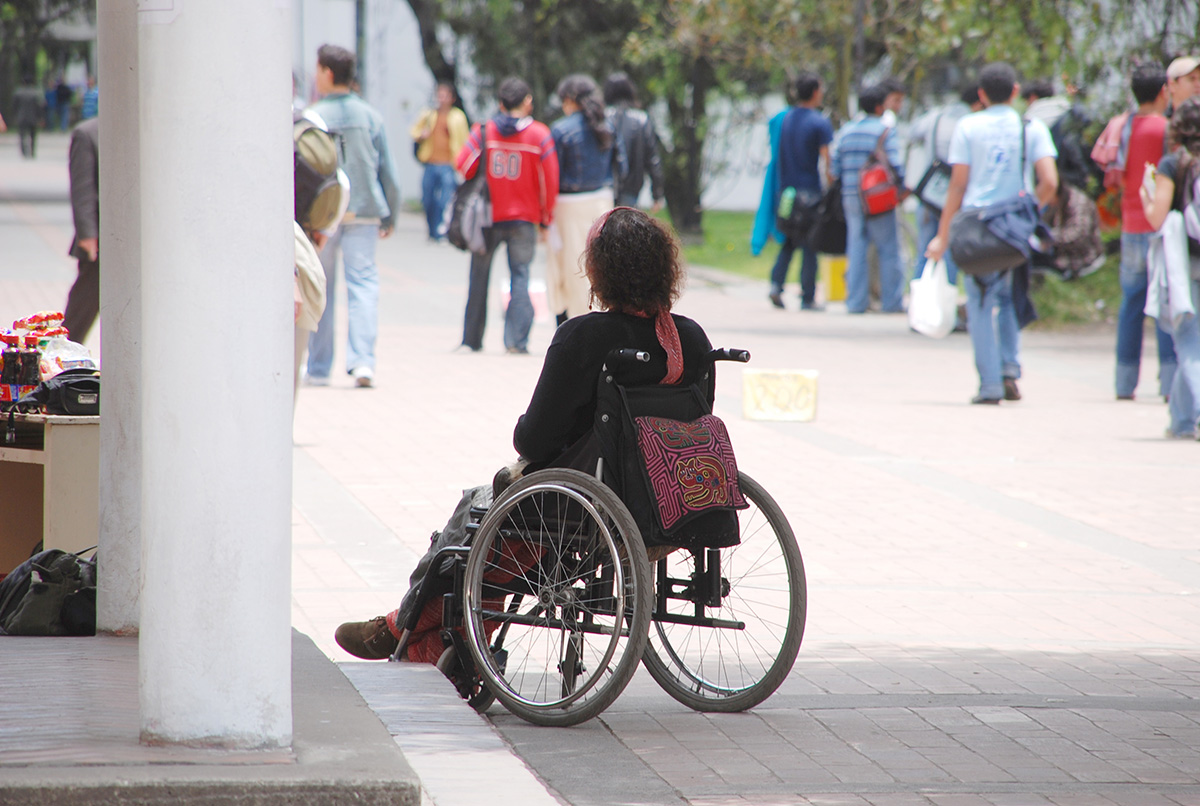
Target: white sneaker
column 316, row 380
column 364, row 377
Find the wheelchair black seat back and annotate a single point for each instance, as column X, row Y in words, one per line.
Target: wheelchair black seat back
column 618, row 405
column 555, row 602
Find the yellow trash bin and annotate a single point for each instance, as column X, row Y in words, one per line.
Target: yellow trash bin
column 831, row 271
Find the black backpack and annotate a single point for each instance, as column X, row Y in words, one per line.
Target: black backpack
column 51, row 593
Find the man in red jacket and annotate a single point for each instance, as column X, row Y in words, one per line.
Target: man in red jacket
column 522, row 177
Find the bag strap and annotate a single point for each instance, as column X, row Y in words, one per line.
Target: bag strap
column 933, row 155
column 1024, row 123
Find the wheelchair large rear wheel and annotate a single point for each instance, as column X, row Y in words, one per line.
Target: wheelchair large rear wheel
column 557, row 597
column 744, row 659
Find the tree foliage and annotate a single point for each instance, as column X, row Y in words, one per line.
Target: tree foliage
column 25, row 27
column 694, row 54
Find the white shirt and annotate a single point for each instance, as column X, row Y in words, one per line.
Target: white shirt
column 989, row 142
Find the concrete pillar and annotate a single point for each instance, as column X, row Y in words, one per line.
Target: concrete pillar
column 121, row 313
column 216, row 379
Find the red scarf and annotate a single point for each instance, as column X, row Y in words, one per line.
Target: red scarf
column 668, row 338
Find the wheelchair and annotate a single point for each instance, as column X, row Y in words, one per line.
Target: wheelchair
column 553, row 602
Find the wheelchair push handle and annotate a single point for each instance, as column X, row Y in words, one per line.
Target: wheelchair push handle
column 619, row 357
column 730, row 354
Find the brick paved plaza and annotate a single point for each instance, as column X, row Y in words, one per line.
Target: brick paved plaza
column 1004, row 603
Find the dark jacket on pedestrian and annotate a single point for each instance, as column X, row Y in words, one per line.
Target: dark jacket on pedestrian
column 583, row 164
column 635, row 129
column 83, row 164
column 30, row 105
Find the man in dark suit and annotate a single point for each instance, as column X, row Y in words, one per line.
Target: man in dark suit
column 83, row 303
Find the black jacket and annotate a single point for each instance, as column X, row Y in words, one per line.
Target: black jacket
column 564, row 402
column 635, row 128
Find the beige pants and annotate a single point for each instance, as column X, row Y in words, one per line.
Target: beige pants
column 567, row 287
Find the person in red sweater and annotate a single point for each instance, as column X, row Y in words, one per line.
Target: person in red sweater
column 522, row 177
column 1146, row 137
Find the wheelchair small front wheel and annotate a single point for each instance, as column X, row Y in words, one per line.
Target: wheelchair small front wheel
column 558, row 573
column 716, row 666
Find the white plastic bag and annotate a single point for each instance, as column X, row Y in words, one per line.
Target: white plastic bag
column 932, row 301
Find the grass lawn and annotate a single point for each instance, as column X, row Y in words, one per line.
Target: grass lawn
column 726, row 246
column 1088, row 300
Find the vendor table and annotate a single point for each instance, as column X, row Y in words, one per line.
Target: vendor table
column 49, row 485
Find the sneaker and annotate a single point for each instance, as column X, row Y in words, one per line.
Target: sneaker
column 316, row 380
column 369, row 640
column 517, row 350
column 364, row 377
column 1169, row 434
column 1011, row 392
column 1124, row 397
column 812, row 306
column 980, row 400
column 776, row 299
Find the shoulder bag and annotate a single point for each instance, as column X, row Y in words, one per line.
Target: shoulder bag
column 471, row 207
column 996, row 237
column 828, row 233
column 935, row 182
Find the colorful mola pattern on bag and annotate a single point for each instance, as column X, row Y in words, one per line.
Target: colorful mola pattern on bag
column 690, row 467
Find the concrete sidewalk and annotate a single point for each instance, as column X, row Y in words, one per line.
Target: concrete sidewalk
column 1003, row 601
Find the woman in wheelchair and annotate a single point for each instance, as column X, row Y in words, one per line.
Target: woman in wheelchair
column 632, row 263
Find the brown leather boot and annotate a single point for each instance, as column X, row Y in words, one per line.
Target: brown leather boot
column 369, row 640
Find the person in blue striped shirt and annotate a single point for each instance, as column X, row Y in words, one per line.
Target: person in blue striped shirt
column 852, row 146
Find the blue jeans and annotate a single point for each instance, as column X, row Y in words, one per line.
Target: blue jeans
column 927, row 227
column 521, row 237
column 1184, row 406
column 881, row 231
column 808, row 271
column 995, row 334
column 1134, row 247
column 437, row 189
column 357, row 243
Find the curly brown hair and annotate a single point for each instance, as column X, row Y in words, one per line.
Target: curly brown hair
column 1185, row 125
column 632, row 262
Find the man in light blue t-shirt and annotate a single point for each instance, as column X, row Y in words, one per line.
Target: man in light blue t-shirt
column 989, row 166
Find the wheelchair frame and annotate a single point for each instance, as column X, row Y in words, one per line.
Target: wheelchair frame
column 589, row 589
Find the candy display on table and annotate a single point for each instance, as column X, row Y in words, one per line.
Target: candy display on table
column 36, row 349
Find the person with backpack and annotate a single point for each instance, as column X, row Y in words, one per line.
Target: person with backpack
column 374, row 202
column 322, row 192
column 1066, row 121
column 518, row 155
column 859, row 146
column 931, row 133
column 1175, row 190
column 800, row 137
column 995, row 156
column 1143, row 146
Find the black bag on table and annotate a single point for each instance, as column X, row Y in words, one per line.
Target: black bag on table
column 74, row 392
